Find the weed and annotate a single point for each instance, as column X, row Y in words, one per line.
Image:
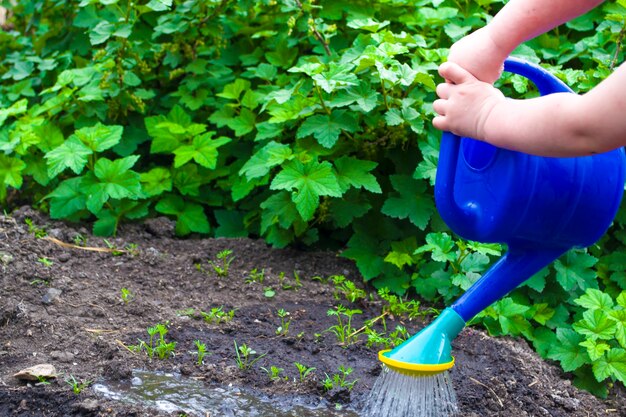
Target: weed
column 45, row 262
column 80, row 240
column 397, row 307
column 77, row 387
column 189, row 312
column 283, row 329
column 158, row 347
column 339, row 380
column 303, row 370
column 201, row 352
column 274, row 373
column 38, row 281
column 347, row 288
column 39, row 232
column 343, row 330
column 256, row 276
column 42, row 380
column 217, row 315
column 132, row 249
column 245, row 359
column 222, row 263
column 114, row 250
column 126, row 295
column 269, row 292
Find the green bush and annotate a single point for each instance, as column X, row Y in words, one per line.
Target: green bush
column 300, row 121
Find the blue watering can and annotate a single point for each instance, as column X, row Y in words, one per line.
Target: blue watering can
column 540, row 207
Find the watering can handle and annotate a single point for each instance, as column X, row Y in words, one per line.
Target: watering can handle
column 546, row 82
column 462, row 218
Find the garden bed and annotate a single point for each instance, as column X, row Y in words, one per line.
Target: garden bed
column 63, row 306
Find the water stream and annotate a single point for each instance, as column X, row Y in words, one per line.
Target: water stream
column 398, row 395
column 174, row 393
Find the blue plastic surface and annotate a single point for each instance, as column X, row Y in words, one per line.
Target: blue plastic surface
column 540, row 207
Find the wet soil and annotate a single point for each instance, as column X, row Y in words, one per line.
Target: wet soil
column 62, row 305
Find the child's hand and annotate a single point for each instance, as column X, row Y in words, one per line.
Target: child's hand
column 465, row 103
column 480, row 55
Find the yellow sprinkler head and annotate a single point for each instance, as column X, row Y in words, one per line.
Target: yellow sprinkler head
column 413, row 369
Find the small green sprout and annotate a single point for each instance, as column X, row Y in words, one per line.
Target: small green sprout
column 158, row 346
column 217, row 315
column 256, row 276
column 132, row 249
column 347, row 288
column 35, row 230
column 339, row 380
column 42, row 380
column 222, row 263
column 80, row 240
column 274, row 373
column 344, row 332
column 77, row 386
column 45, row 262
column 303, row 370
column 269, row 292
column 283, row 329
column 188, row 312
column 245, row 359
column 126, row 295
column 201, row 351
column 114, row 250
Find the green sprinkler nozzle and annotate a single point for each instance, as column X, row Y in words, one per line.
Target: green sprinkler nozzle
column 429, row 351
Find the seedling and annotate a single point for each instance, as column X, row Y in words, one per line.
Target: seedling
column 35, row 230
column 269, row 292
column 303, row 370
column 189, row 312
column 132, row 249
column 283, row 329
column 347, row 288
column 343, row 330
column 77, row 387
column 45, row 262
column 256, row 276
column 397, row 307
column 126, row 295
column 245, row 359
column 80, row 240
column 42, row 380
column 114, row 251
column 282, row 278
column 201, row 351
column 222, row 263
column 217, row 315
column 158, row 347
column 339, row 380
column 274, row 373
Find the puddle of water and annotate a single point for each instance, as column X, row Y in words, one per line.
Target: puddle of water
column 172, row 392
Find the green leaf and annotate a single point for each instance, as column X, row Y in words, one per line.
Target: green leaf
column 156, row 181
column 15, row 109
column 574, row 270
column 71, row 154
column 111, row 179
column 67, row 199
column 269, row 156
column 410, row 202
column 311, row 180
column 611, row 365
column 365, row 251
column 99, row 137
column 568, row 351
column 595, row 299
column 231, row 224
column 595, row 349
column 278, row 209
column 233, row 90
column 619, row 316
column 190, row 217
column 542, row 313
column 440, row 246
column 336, row 77
column 101, row 33
column 367, row 24
column 327, row 128
column 242, row 124
column 131, row 79
column 203, row 150
column 106, row 225
column 11, row 171
column 352, row 172
column 402, row 252
column 596, row 325
column 160, row 5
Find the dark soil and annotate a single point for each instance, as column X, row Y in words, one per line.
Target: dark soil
column 86, row 330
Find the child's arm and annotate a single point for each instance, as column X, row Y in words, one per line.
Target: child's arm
column 483, row 52
column 562, row 124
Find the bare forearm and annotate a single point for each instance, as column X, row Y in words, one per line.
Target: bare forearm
column 563, row 124
column 521, row 20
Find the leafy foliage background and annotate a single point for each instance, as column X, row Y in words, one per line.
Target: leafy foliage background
column 303, row 122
